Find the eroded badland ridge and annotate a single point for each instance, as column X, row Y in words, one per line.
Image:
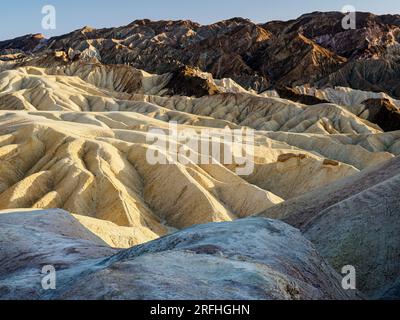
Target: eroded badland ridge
column 78, row 114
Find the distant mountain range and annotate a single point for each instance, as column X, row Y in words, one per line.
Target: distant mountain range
column 312, row 50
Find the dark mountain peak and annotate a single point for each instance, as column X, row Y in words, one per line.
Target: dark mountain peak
column 26, row 43
column 164, row 23
column 239, row 20
column 86, row 29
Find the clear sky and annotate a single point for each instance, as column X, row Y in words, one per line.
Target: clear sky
column 24, row 16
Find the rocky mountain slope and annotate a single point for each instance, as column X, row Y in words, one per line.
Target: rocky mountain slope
column 354, row 221
column 254, row 259
column 312, row 50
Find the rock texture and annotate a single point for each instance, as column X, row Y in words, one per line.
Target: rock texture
column 355, row 222
column 22, row 44
column 377, row 108
column 248, row 259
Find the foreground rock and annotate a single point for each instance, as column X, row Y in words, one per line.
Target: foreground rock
column 253, row 258
column 355, row 222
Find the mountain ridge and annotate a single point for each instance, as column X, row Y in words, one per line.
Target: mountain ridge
column 247, row 52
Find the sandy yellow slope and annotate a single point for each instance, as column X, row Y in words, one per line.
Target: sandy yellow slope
column 77, row 137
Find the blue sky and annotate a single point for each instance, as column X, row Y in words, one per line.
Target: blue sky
column 24, row 16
